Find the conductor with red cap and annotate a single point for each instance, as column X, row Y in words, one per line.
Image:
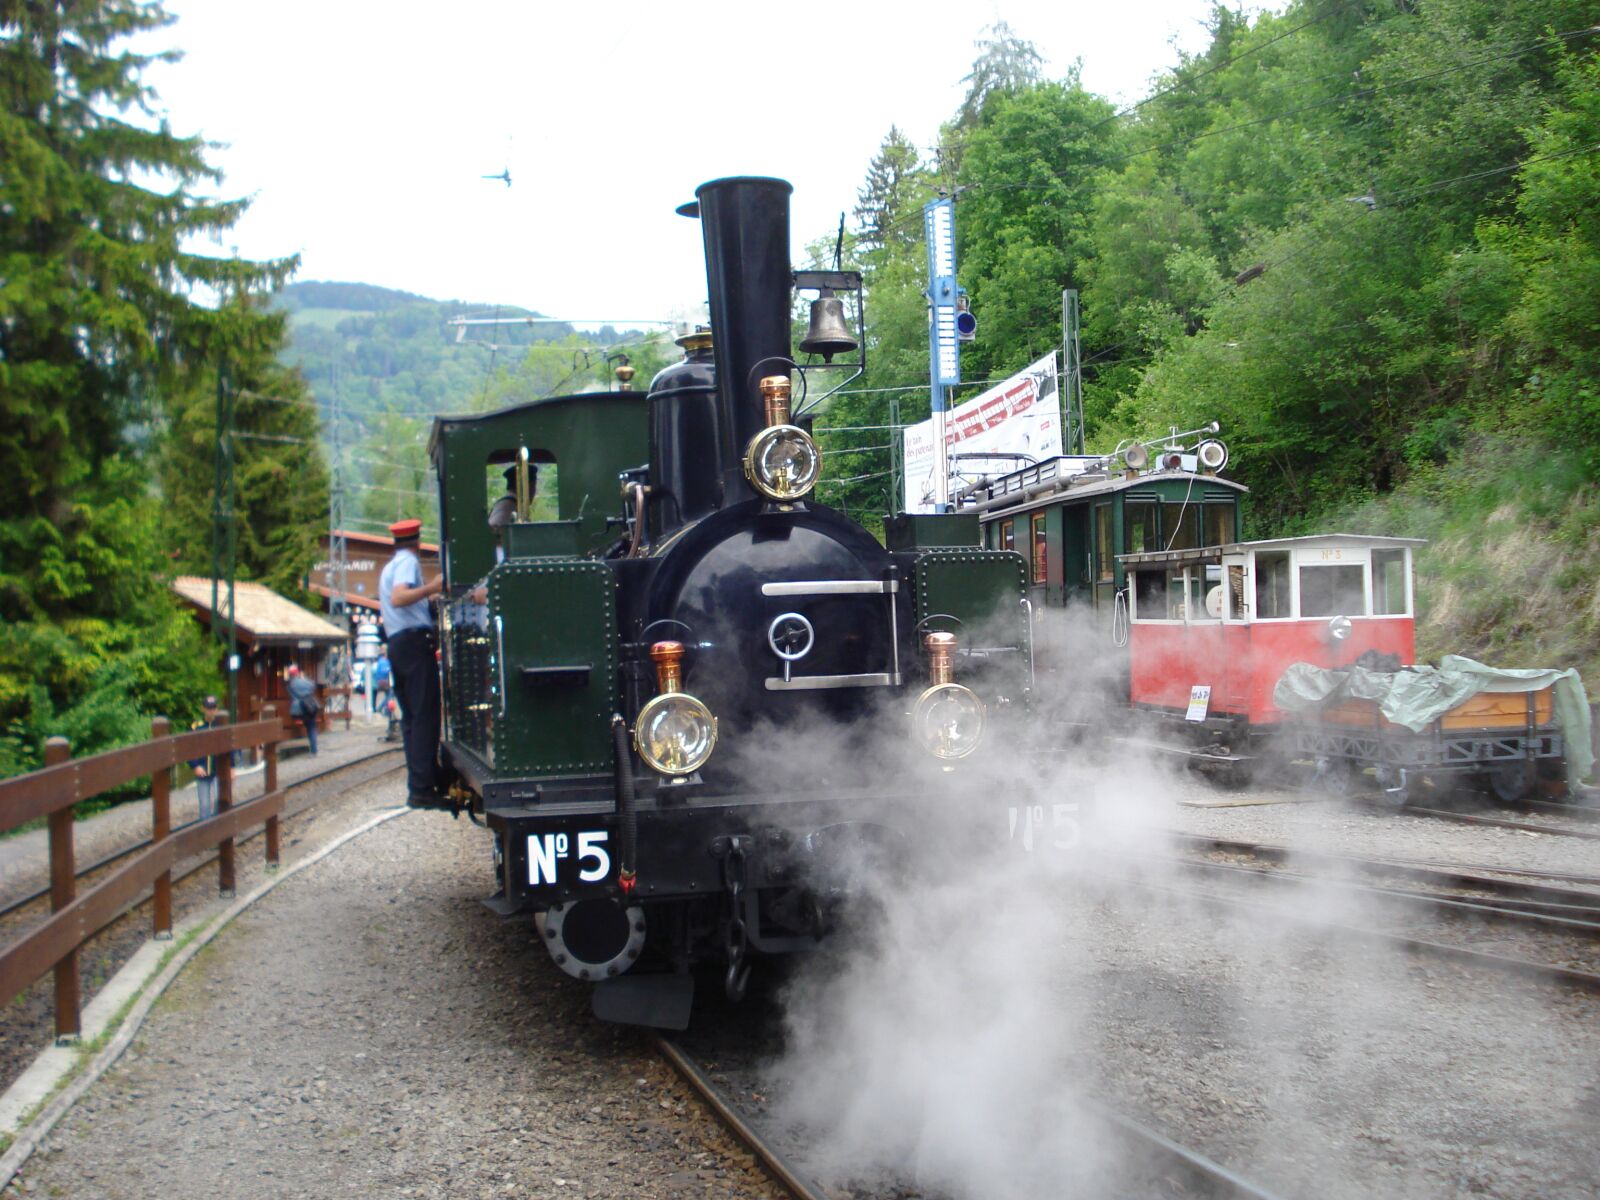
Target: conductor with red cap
column 408, row 620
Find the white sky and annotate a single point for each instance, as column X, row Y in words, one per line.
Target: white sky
column 361, row 129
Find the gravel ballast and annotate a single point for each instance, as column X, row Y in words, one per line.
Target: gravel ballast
column 369, row 1029
column 1312, row 822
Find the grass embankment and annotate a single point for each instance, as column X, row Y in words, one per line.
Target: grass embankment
column 1511, row 572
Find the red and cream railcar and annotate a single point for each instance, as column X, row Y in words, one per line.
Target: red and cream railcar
column 1213, row 628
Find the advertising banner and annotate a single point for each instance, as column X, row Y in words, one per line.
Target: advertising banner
column 1020, row 416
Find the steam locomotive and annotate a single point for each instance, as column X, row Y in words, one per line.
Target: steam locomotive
column 687, row 718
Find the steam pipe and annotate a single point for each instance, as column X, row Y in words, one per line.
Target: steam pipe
column 627, row 814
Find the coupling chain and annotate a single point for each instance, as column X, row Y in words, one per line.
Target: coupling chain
column 734, row 875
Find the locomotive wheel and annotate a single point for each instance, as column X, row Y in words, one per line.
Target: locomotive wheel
column 1511, row 783
column 1335, row 776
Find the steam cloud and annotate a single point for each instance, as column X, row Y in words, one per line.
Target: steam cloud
column 1039, row 963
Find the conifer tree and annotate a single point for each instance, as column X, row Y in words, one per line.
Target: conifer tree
column 883, row 201
column 99, row 200
column 1006, row 63
column 280, row 479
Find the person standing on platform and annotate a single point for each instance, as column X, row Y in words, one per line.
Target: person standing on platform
column 382, row 682
column 303, row 705
column 408, row 619
column 205, row 769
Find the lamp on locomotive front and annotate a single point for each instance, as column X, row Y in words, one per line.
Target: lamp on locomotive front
column 781, row 462
column 675, row 733
column 947, row 718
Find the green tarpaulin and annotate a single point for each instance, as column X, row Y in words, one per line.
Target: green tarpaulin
column 1417, row 696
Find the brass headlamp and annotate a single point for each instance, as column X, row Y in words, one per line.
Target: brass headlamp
column 675, row 733
column 781, row 462
column 947, row 718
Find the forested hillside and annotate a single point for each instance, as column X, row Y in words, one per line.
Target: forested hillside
column 1362, row 234
column 392, row 361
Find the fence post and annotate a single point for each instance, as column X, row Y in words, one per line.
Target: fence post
column 224, row 761
column 270, row 785
column 160, row 829
column 63, row 890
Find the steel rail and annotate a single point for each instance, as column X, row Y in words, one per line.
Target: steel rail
column 1452, row 874
column 1213, row 1172
column 1533, row 915
column 1586, row 980
column 770, row 1161
column 118, row 855
column 1441, row 814
column 1227, row 1182
column 1560, row 808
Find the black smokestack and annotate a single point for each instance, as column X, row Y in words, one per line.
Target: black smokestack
column 746, row 227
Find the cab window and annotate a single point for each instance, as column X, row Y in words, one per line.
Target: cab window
column 1388, row 583
column 1180, row 526
column 1041, row 550
column 1272, row 585
column 1105, row 564
column 1008, row 535
column 1235, row 592
column 1332, row 591
column 1219, row 524
column 1139, row 527
column 499, row 485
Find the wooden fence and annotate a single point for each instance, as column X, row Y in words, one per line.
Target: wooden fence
column 54, row 790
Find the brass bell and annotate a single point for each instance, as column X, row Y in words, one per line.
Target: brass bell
column 828, row 334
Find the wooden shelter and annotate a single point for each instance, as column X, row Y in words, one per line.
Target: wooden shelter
column 273, row 633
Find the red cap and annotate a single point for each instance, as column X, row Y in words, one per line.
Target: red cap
column 406, row 529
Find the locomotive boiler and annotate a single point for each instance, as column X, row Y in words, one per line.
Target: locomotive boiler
column 693, row 700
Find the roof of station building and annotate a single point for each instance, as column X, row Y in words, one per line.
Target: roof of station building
column 263, row 615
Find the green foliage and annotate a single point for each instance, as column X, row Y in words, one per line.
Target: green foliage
column 97, row 318
column 1023, row 226
column 1363, row 236
column 1513, row 555
column 280, row 481
column 1554, row 251
column 395, row 363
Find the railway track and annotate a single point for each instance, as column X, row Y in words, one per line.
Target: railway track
column 29, row 1020
column 1559, row 926
column 87, row 875
column 1203, row 1176
column 1425, row 870
column 1466, row 818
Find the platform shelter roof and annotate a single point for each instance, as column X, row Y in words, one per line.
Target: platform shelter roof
column 264, row 617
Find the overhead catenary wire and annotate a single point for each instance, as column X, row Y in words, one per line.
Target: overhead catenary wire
column 861, row 449
column 853, row 478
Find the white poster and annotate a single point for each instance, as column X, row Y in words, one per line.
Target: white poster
column 1021, row 416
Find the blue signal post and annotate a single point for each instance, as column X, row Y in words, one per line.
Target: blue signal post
column 944, row 343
